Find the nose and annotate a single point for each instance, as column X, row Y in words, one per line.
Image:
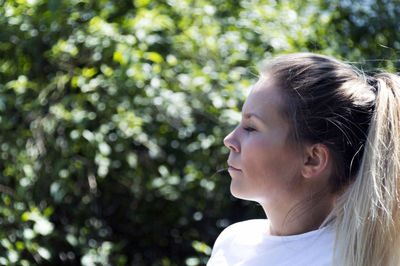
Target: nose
column 231, row 142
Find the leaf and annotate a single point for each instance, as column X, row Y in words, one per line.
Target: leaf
column 153, row 56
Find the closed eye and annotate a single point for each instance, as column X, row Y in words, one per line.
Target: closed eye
column 249, row 129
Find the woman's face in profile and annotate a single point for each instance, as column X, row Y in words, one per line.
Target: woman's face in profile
column 262, row 162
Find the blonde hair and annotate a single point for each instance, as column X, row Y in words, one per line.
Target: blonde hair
column 367, row 215
column 358, row 119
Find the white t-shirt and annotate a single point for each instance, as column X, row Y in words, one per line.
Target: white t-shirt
column 247, row 244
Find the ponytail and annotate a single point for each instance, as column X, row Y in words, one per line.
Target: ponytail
column 367, row 216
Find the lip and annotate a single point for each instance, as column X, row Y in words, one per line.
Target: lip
column 232, row 168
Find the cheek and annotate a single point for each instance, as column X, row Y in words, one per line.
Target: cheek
column 263, row 159
column 258, row 156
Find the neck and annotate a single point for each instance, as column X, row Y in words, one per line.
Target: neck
column 302, row 216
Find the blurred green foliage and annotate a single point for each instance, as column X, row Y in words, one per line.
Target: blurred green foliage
column 112, row 116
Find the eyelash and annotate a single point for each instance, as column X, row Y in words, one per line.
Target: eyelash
column 249, row 129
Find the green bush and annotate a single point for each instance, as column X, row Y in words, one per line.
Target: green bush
column 112, row 116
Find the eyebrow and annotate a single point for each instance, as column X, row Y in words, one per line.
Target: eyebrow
column 250, row 115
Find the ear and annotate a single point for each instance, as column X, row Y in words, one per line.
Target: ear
column 316, row 160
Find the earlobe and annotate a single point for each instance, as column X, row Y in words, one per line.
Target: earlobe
column 316, row 160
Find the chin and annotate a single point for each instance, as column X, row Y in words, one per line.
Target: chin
column 235, row 191
column 239, row 193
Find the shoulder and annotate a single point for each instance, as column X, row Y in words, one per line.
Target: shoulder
column 254, row 225
column 244, row 229
column 249, row 226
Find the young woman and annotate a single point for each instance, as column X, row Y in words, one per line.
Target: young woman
column 318, row 148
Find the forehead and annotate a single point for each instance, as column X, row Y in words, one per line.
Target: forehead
column 265, row 99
